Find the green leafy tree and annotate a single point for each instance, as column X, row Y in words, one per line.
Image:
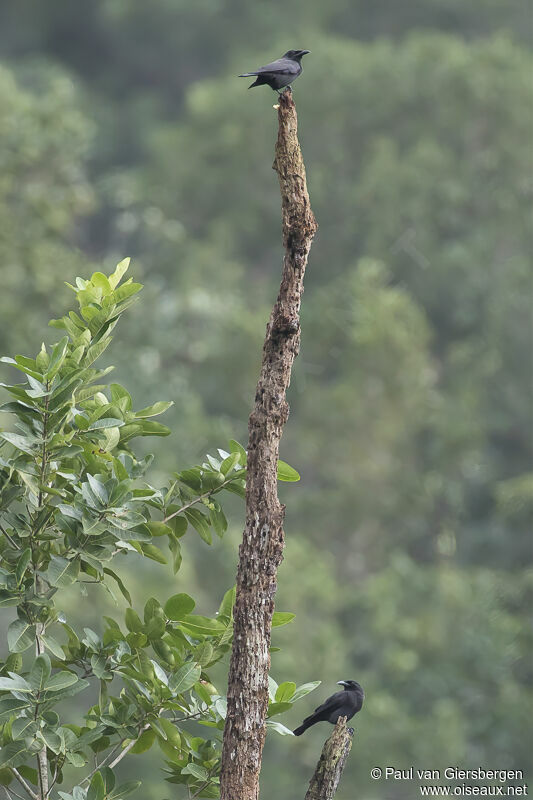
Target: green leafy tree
column 74, row 500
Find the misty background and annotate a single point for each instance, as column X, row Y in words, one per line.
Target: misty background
column 124, row 131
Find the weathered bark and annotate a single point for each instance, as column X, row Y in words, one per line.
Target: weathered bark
column 263, row 539
column 329, row 769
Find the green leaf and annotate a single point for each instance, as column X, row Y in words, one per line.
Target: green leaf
column 24, row 727
column 51, row 644
column 218, row 521
column 98, row 488
column 15, row 683
column 13, row 754
column 40, row 672
column 20, row 636
column 61, row 680
column 149, row 428
column 237, row 487
column 124, row 592
column 272, row 688
column 22, row 563
column 124, row 790
column 6, row 776
column 178, row 523
column 136, row 639
column 121, row 269
column 159, row 529
column 171, row 733
column 30, row 774
column 22, row 368
column 196, row 771
column 192, row 477
column 96, row 789
column 278, row 708
column 179, row 606
column 154, row 410
column 76, row 759
column 125, row 291
column 203, row 654
column 235, row 447
column 199, row 523
column 62, row 572
column 153, row 608
column 279, row 728
column 206, row 626
column 102, row 281
column 98, row 665
column 229, row 462
column 280, row 618
column 153, row 552
column 185, row 677
column 133, row 621
column 285, row 692
column 56, row 359
column 120, row 470
column 144, row 742
column 12, row 706
column 96, row 351
column 304, row 689
column 18, row 441
column 287, row 473
column 175, row 549
column 106, row 422
column 121, row 397
column 226, row 606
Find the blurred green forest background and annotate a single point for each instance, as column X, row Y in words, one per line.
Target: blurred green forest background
column 124, row 131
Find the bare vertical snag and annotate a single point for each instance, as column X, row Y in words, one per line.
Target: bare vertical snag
column 262, row 545
column 331, row 764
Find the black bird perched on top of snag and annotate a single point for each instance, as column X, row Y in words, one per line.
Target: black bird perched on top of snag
column 279, row 73
column 341, row 704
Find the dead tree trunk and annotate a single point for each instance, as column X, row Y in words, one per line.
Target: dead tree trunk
column 262, row 546
column 329, row 769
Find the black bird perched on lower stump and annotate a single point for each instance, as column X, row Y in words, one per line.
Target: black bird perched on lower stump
column 341, row 704
column 279, row 73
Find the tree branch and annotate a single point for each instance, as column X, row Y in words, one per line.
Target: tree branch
column 262, row 546
column 127, row 749
column 330, row 767
column 24, row 784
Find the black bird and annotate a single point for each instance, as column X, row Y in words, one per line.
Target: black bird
column 341, row 704
column 279, row 73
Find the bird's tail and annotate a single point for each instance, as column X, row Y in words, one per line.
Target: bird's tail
column 251, row 75
column 308, row 721
column 298, row 731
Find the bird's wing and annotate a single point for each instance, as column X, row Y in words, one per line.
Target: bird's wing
column 335, row 701
column 284, row 65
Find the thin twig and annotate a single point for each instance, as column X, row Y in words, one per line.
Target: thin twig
column 102, row 763
column 128, row 747
column 198, row 499
column 9, row 539
column 24, row 784
column 204, row 785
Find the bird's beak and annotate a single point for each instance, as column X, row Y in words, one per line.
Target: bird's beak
column 341, row 683
column 304, row 52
